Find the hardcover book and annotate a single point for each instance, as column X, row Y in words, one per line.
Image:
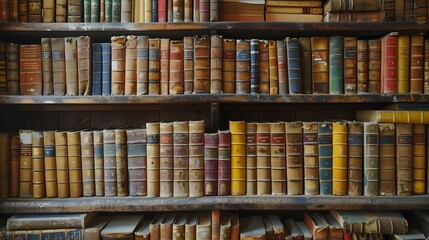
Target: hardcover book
column 176, row 78
column 74, row 11
column 142, row 67
column 278, row 158
column 374, row 65
column 70, row 53
column 154, row 66
column 404, row 159
column 387, row 161
column 216, row 64
column 371, row 159
column 121, row 162
column 15, row 148
column 317, row 226
column 84, row 60
column 181, row 159
column 96, row 69
column 153, row 159
column 362, row 66
column 282, row 66
column 389, row 63
column 98, row 163
column 48, row 85
column 224, row 163
column 131, row 65
column 389, row 116
column 121, row 227
column 58, row 66
column 75, row 163
column 238, row 157
column 419, row 157
column 87, row 152
column 201, row 64
column 166, row 159
column 273, row 67
column 164, row 67
column 12, row 68
column 403, row 63
column 39, row 189
column 26, row 164
column 30, row 69
column 106, row 72
column 49, row 221
column 228, row 70
column 251, row 146
column 136, row 161
column 336, row 66
column 252, row 228
column 61, row 11
column 211, row 156
column 294, row 65
column 263, row 159
column 242, row 66
column 294, row 154
column 355, row 158
column 325, row 157
column 320, row 63
column 416, row 64
column 5, row 164
column 311, row 158
column 62, row 164
column 339, row 158
column 352, row 5
column 306, row 64
column 188, row 64
column 254, row 66
column 109, row 153
column 118, row 45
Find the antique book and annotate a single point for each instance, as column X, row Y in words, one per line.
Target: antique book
column 131, row 65
column 254, row 66
column 416, row 64
column 84, row 60
column 201, row 64
column 147, row 11
column 74, row 11
column 154, row 66
column 306, row 64
column 420, row 11
column 30, row 69
column 142, row 63
column 179, row 226
column 49, row 221
column 95, row 11
column 279, row 227
column 70, row 56
column 324, row 132
column 352, row 5
column 177, row 13
column 109, row 154
column 320, row 63
column 311, row 158
column 106, row 72
column 211, row 156
column 154, row 11
column 403, row 64
column 96, row 69
column 339, row 158
column 294, row 65
column 3, row 78
column 166, row 159
column 295, row 10
column 187, row 10
column 142, row 232
column 228, row 68
column 204, row 11
column 282, row 67
column 26, row 164
column 225, row 227
column 5, row 164
column 269, row 231
column 278, row 158
column 58, row 66
column 126, row 11
column 251, row 146
column 389, row 63
column 164, row 50
column 176, row 78
column 215, row 224
column 203, row 229
column 387, row 162
column 362, row 66
column 48, row 84
column 216, row 64
column 242, row 66
column 196, row 158
column 118, row 44
column 335, row 230
column 93, row 230
column 374, row 65
column 292, row 17
column 336, row 64
column 294, row 154
column 377, row 16
column 196, row 10
column 426, row 68
column 264, row 75
column 23, row 10
column 75, row 163
column 15, row 148
column 181, row 162
column 12, row 68
column 238, row 157
column 371, row 159
column 273, row 67
column 263, row 159
column 121, row 162
column 317, row 226
column 305, row 231
column 355, row 158
column 39, row 190
column 419, row 158
column 404, row 159
column 293, row 228
column 294, row 3
column 389, row 116
column 224, row 163
column 136, row 161
column 252, row 228
column 188, row 64
column 62, row 163
column 121, row 227
column 412, row 234
column 166, row 226
column 116, row 10
column 155, row 226
column 87, row 153
column 152, row 159
column 34, row 11
column 191, row 226
column 98, row 162
column 235, row 226
column 61, row 11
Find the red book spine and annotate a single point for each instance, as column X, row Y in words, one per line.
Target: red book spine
column 390, row 64
column 224, row 164
column 162, row 10
column 211, row 142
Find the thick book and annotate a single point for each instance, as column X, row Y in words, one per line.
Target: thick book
column 264, row 75
column 191, row 226
column 224, row 163
column 142, row 64
column 15, row 148
column 166, row 159
column 152, row 158
column 118, row 44
column 389, row 63
column 294, row 74
column 58, row 66
column 310, row 158
column 238, row 157
column 335, row 229
column 98, row 163
column 216, row 64
column 136, row 161
column 84, row 59
column 142, row 232
column 106, row 69
column 48, row 85
column 204, row 226
column 324, row 132
column 70, row 57
column 201, row 64
column 374, row 65
column 336, row 65
column 228, row 68
column 282, row 67
column 49, row 221
column 269, row 231
column 155, row 226
column 352, row 5
column 38, row 165
column 109, row 154
column 121, row 227
column 5, row 158
column 26, row 164
column 164, row 50
column 419, row 158
column 12, row 68
column 404, row 159
column 420, row 11
column 61, row 11
column 126, row 11
column 93, row 230
column 211, row 156
column 416, row 64
column 166, row 226
column 96, row 69
column 34, row 11
column 362, row 66
column 350, row 65
column 188, row 64
column 263, row 159
column 354, row 16
column 254, row 67
column 181, row 159
column 251, row 146
column 121, row 162
column 403, row 63
column 387, row 161
column 154, row 66
column 179, row 226
column 316, row 225
column 339, row 158
column 242, row 66
column 131, row 65
column 278, row 158
column 392, row 116
column 294, row 155
column 176, row 71
column 252, row 228
column 75, row 163
column 30, row 69
column 306, row 64
column 273, row 67
column 320, row 63
column 292, row 17
column 354, row 158
column 87, row 152
column 371, row 159
column 74, row 11
column 177, row 13
column 62, row 163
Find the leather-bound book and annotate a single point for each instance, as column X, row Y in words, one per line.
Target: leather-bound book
column 118, row 65
column 121, row 227
column 148, row 11
column 224, row 163
column 293, row 228
column 228, row 70
column 202, row 64
column 187, row 10
column 196, row 10
column 30, row 69
column 166, row 226
column 179, row 226
column 211, row 156
column 196, row 158
column 74, row 11
column 374, row 65
column 142, row 232
column 84, row 59
column 339, row 158
column 306, row 64
column 93, row 230
column 362, row 66
column 320, row 64
column 155, row 226
column 48, row 85
column 225, row 227
column 416, row 64
column 162, row 11
column 404, row 159
column 318, row 228
column 154, row 66
column 3, row 79
column 61, row 11
column 420, row 11
column 273, row 67
column 254, row 66
column 75, row 163
column 215, row 224
column 15, row 148
column 178, row 14
column 23, row 10
column 12, row 68
column 264, row 75
column 354, row 16
column 389, row 63
column 88, row 174
column 152, row 159
column 109, row 153
column 403, row 64
column 121, row 162
column 252, row 228
column 181, row 159
column 282, row 67
column 188, row 64
column 350, row 65
column 294, row 155
column 95, row 12
column 278, row 158
column 22, row 222
column 131, row 65
column 34, row 11
column 335, row 229
column 126, row 11
column 62, row 161
column 142, row 63
column 13, row 11
column 70, row 56
column 26, row 164
column 311, row 158
column 39, row 189
column 324, row 132
column 5, row 164
column 96, row 69
column 166, row 159
column 426, row 68
column 136, row 161
column 269, row 231
column 216, row 64
column 409, row 10
column 355, row 158
column 176, row 78
column 204, row 10
column 263, row 159
column 387, row 162
column 419, row 158
column 242, row 66
column 305, row 231
column 203, row 230
column 98, row 162
column 238, row 157
column 336, row 65
column 352, row 5
column 50, row 164
column 251, row 183
column 371, row 159
column 106, row 72
column 191, row 226
column 294, row 65
column 279, row 228
column 164, row 67
column 58, row 66
column 116, row 10
column 235, row 226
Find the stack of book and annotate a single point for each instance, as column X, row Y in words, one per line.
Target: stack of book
column 294, row 11
column 353, row 11
column 241, row 10
column 406, row 10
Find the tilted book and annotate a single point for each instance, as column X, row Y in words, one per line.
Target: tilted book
column 166, row 226
column 350, row 65
column 336, row 65
column 58, row 66
column 118, row 65
column 228, row 70
column 371, row 159
column 335, row 229
column 109, row 153
column 84, row 59
column 61, row 152
column 387, row 161
column 252, row 228
column 154, row 66
column 164, row 67
column 278, row 158
column 88, row 173
column 30, row 69
column 131, row 65
column 75, row 163
column 419, row 157
column 48, row 85
column 38, row 165
column 136, row 161
column 294, row 230
column 179, row 226
column 355, row 158
column 374, row 65
column 142, row 232
column 216, row 64
column 311, row 158
column 320, row 62
column 26, row 164
column 152, row 159
column 362, row 66
column 211, row 156
column 191, row 226
column 251, row 146
column 224, row 163
column 121, row 162
column 166, row 159
column 305, row 231
column 339, row 158
column 354, row 16
column 404, row 159
column 325, row 157
column 202, row 64
column 317, row 226
column 176, row 71
column 294, row 154
column 98, row 163
column 389, row 116
column 12, row 68
column 181, row 159
column 142, row 64
column 238, row 157
column 49, row 221
column 70, row 53
column 203, row 230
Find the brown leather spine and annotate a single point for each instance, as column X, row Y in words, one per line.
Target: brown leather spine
column 121, row 162
column 176, row 78
column 70, row 56
column 264, row 75
column 228, row 70
column 404, row 159
column 374, row 65
column 142, row 67
column 216, row 64
column 30, row 69
column 98, row 163
column 39, row 190
column 278, row 158
column 26, row 164
column 164, row 65
column 131, row 81
column 263, row 159
column 181, row 159
column 166, row 159
column 118, row 65
column 202, row 64
column 84, row 64
column 15, row 148
column 320, row 62
column 48, row 84
column 58, row 66
column 196, row 158
column 75, row 164
column 153, row 159
column 294, row 154
column 62, row 164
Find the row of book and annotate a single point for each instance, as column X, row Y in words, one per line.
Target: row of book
column 221, row 225
column 406, row 10
column 177, row 159
column 354, row 11
column 139, row 65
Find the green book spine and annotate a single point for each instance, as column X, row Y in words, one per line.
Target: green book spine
column 336, row 69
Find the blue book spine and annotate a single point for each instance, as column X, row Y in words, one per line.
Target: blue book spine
column 96, row 68
column 325, row 157
column 336, row 65
column 294, row 65
column 254, row 66
column 106, row 59
column 57, row 235
column 75, row 234
column 33, row 236
column 155, row 11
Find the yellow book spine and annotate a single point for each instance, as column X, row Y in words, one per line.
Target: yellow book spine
column 139, row 11
column 339, row 158
column 419, row 158
column 273, row 67
column 238, row 157
column 403, row 64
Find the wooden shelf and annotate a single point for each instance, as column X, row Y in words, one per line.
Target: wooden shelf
column 139, row 204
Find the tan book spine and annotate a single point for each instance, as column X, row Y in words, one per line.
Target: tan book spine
column 50, row 164
column 75, row 164
column 153, row 160
column 166, row 158
column 282, row 67
column 62, row 164
column 39, row 189
column 87, row 152
column 263, row 159
column 419, row 159
column 320, row 63
column 48, row 13
column 216, row 64
column 154, row 66
column 188, row 10
column 179, row 226
column 58, row 66
column 131, row 81
column 155, row 226
column 98, row 163
column 61, row 11
column 215, row 225
column 416, row 64
column 251, row 159
column 238, row 157
column 26, row 164
column 142, row 67
column 176, row 78
column 147, row 11
column 191, row 227
column 181, row 159
column 118, row 65
column 12, row 68
column 84, row 64
column 350, row 65
column 355, row 158
column 374, row 65
column 48, row 84
column 278, row 158
column 273, row 67
column 15, row 152
column 294, row 158
column 164, row 65
column 109, row 155
column 177, row 11
column 339, row 158
column 311, row 158
column 204, row 226
column 404, row 159
column 242, row 66
column 196, row 158
column 371, row 159
column 362, row 66
column 137, row 157
column 188, row 64
column 228, row 68
column 70, row 56
column 202, row 64
column 387, row 162
column 121, row 162
column 264, row 69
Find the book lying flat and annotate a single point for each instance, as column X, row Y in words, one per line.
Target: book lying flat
column 49, row 221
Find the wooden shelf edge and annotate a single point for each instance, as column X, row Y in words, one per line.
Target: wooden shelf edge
column 141, row 204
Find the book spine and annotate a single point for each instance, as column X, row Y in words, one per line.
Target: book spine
column 84, row 54
column 416, row 64
column 176, row 78
column 12, row 68
column 154, row 66
column 30, row 65
column 311, row 161
column 15, row 152
column 23, row 10
column 196, row 158
column 409, row 10
column 350, row 65
column 96, row 69
column 26, row 164
column 204, row 10
column 278, row 158
column 162, row 10
column 102, row 10
column 371, row 159
column 188, row 64
column 211, row 156
column 336, row 66
column 50, row 164
column 188, row 10
column 181, row 159
column 374, row 65
column 38, row 165
column 95, row 15
column 136, row 161
column 75, row 164
column 251, row 146
column 427, row 154
column 263, row 159
column 264, row 75
column 70, row 56
column 362, row 66
column 48, row 84
column 131, row 66
column 98, row 163
column 224, row 163
column 282, row 67
column 306, row 64
column 202, row 64
column 58, row 66
column 61, row 11
column 142, row 65
column 420, row 11
column 196, row 10
column 273, row 67
column 426, row 68
column 3, row 79
column 320, row 63
column 403, row 64
column 13, row 11
column 355, row 158
column 62, row 164
column 389, row 64
column 86, row 11
column 155, row 11
column 398, row 8
column 109, row 154
column 254, row 67
column 386, row 150
column 153, row 159
column 121, row 162
column 216, row 64
column 238, row 157
column 294, row 65
column 4, row 11
column 147, row 11
column 228, row 70
column 106, row 60
column 404, row 159
column 88, row 174
column 116, row 10
column 126, row 11
column 74, row 11
column 324, row 132
column 178, row 11
column 118, row 65
column 214, row 10
column 166, row 159
column 35, row 11
column 339, row 158
column 164, row 65
column 419, row 159
column 294, row 154
column 107, row 10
